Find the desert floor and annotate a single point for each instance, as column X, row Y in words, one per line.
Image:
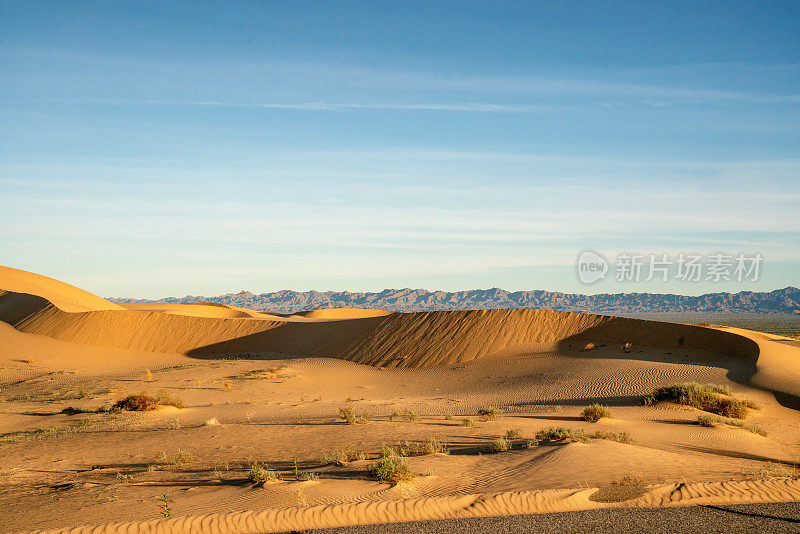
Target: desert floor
column 86, row 466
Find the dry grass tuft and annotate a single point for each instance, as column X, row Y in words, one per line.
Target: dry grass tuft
column 595, row 412
column 491, row 413
column 707, row 397
column 498, row 445
column 468, row 421
column 351, row 417
column 143, row 402
column 342, row 456
column 260, row 474
column 558, row 433
column 430, row 445
column 514, row 433
column 392, row 469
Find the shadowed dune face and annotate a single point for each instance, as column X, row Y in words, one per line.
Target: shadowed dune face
column 414, row 340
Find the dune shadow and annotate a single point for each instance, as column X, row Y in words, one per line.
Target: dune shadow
column 620, row 400
column 738, row 454
column 739, row 354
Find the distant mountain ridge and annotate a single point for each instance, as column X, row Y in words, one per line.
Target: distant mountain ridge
column 784, row 301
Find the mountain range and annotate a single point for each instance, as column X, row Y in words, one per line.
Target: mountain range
column 784, row 301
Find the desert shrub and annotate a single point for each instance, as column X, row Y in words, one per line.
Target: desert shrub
column 182, row 458
column 595, row 412
column 707, row 397
column 514, row 433
column 260, row 474
column 410, row 416
column 498, row 445
column 416, row 448
column 392, row 469
column 619, row 437
column 143, row 402
column 350, row 417
column 468, row 421
column 491, row 413
column 558, row 433
column 303, row 476
column 342, row 456
column 212, row 422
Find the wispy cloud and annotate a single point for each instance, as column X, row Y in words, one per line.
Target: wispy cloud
column 332, row 106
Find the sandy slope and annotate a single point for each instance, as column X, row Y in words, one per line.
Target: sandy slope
column 68, row 298
column 275, row 385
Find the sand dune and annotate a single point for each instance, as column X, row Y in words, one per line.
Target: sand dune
column 66, row 297
column 274, row 385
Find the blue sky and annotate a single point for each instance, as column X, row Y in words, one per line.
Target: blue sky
column 167, row 148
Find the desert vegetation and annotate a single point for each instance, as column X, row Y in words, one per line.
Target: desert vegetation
column 392, row 469
column 431, row 445
column 143, row 402
column 706, row 397
column 349, row 415
column 595, row 412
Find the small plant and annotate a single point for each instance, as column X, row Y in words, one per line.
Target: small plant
column 410, row 416
column 595, row 412
column 147, row 376
column 708, row 420
column 143, row 402
column 559, row 433
column 514, row 433
column 392, row 469
column 498, row 445
column 260, row 475
column 166, row 511
column 303, row 476
column 491, row 413
column 416, row 448
column 468, row 421
column 619, row 437
column 212, row 422
column 341, row 457
column 448, row 417
column 350, row 417
column 182, row 458
column 122, row 477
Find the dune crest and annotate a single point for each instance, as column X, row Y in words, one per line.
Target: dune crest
column 67, row 297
